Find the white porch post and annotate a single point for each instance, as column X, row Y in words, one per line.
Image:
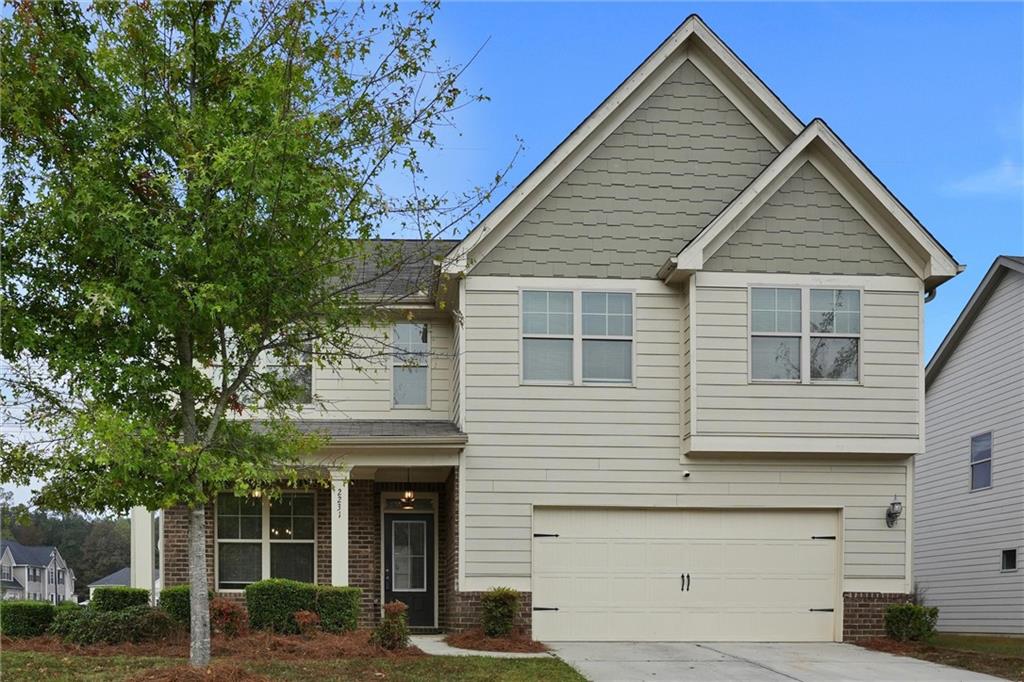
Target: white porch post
column 141, row 573
column 339, row 526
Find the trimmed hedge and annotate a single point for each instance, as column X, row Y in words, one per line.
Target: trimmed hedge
column 25, row 618
column 338, row 607
column 132, row 624
column 272, row 602
column 499, row 606
column 118, row 598
column 176, row 602
column 910, row 621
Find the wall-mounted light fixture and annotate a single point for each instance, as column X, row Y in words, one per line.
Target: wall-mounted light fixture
column 892, row 514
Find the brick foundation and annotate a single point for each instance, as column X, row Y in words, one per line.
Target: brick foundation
column 864, row 613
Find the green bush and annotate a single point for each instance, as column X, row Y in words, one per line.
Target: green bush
column 176, row 602
column 25, row 618
column 271, row 603
column 338, row 607
column 118, row 598
column 910, row 622
column 131, row 624
column 67, row 605
column 500, row 606
column 392, row 632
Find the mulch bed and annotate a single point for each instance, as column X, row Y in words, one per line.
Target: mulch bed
column 1007, row 667
column 257, row 646
column 476, row 640
column 218, row 672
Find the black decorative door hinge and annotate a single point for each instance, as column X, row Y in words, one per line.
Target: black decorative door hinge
column 545, row 608
column 824, row 610
column 545, row 535
column 823, row 537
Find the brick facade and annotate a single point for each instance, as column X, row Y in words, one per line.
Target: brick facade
column 864, row 613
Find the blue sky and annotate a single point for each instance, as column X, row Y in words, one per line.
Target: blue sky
column 930, row 96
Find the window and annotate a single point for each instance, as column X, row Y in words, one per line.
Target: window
column 298, row 374
column 409, row 556
column 259, row 538
column 775, row 334
column 835, row 334
column 410, row 379
column 981, row 461
column 607, row 337
column 5, row 572
column 1009, row 560
column 786, row 346
column 593, row 347
column 49, row 577
column 60, row 577
column 548, row 336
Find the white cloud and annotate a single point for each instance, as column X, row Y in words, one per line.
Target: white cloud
column 1004, row 178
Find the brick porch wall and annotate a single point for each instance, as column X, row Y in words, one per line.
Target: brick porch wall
column 864, row 613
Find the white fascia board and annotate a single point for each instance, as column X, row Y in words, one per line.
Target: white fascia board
column 693, row 40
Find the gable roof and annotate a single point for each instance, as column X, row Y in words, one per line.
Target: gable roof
column 818, row 143
column 1000, row 266
column 692, row 39
column 122, row 576
column 29, row 555
column 396, row 270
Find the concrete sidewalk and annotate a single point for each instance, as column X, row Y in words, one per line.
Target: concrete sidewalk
column 760, row 662
column 436, row 646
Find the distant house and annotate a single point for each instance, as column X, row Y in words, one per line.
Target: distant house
column 969, row 484
column 36, row 572
column 119, row 578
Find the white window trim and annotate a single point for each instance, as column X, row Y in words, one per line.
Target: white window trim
column 970, row 461
column 427, row 363
column 805, row 336
column 577, row 337
column 264, row 541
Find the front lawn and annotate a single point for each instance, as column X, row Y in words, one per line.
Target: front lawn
column 997, row 655
column 32, row 666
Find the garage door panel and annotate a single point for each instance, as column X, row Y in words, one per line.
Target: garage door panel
column 615, row 574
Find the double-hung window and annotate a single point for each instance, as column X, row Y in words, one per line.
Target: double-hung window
column 298, row 374
column 787, row 345
column 577, row 337
column 259, row 538
column 410, row 379
column 5, row 572
column 981, row 461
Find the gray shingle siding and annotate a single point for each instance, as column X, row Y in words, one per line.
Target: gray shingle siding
column 808, row 228
column 644, row 192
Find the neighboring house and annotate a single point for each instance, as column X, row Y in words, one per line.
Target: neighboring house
column 36, row 572
column 119, row 578
column 669, row 389
column 969, row 483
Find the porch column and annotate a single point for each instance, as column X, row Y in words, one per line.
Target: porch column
column 141, row 574
column 339, row 526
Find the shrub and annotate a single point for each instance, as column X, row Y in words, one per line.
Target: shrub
column 338, row 607
column 306, row 621
column 176, row 602
column 118, row 598
column 910, row 621
column 228, row 618
column 271, row 603
column 500, row 606
column 92, row 626
column 25, row 618
column 67, row 605
column 393, row 630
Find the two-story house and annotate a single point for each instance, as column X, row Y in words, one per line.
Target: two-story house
column 35, row 572
column 671, row 388
column 969, row 482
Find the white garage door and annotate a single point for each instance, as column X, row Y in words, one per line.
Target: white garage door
column 684, row 575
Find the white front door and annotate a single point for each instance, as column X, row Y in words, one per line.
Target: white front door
column 685, row 575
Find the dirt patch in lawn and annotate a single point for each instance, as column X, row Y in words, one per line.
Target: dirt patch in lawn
column 476, row 640
column 1007, row 667
column 257, row 646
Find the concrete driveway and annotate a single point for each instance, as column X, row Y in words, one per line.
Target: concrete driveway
column 761, row 662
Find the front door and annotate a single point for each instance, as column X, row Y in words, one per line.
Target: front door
column 409, row 565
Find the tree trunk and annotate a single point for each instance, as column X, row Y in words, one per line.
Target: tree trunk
column 199, row 617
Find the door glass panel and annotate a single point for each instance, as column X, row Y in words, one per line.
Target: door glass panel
column 409, row 556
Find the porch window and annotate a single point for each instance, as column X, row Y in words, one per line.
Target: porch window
column 410, row 372
column 258, row 538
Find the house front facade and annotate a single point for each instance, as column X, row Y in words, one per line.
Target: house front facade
column 35, row 572
column 671, row 388
column 969, row 482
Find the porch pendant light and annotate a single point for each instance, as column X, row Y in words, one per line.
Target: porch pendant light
column 408, row 497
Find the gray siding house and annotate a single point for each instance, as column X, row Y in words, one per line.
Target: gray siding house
column 35, row 572
column 969, row 483
column 670, row 389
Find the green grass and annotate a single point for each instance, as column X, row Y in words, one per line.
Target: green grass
column 985, row 644
column 31, row 666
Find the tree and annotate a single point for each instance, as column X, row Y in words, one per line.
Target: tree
column 192, row 189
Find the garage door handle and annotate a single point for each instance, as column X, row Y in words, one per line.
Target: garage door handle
column 684, row 580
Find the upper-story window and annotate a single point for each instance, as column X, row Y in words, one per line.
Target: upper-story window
column 573, row 337
column 49, row 577
column 786, row 345
column 981, row 461
column 299, row 374
column 5, row 572
column 60, row 577
column 410, row 379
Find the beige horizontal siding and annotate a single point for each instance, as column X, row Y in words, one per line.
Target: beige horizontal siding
column 620, row 446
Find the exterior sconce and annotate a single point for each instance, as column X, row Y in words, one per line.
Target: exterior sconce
column 892, row 514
